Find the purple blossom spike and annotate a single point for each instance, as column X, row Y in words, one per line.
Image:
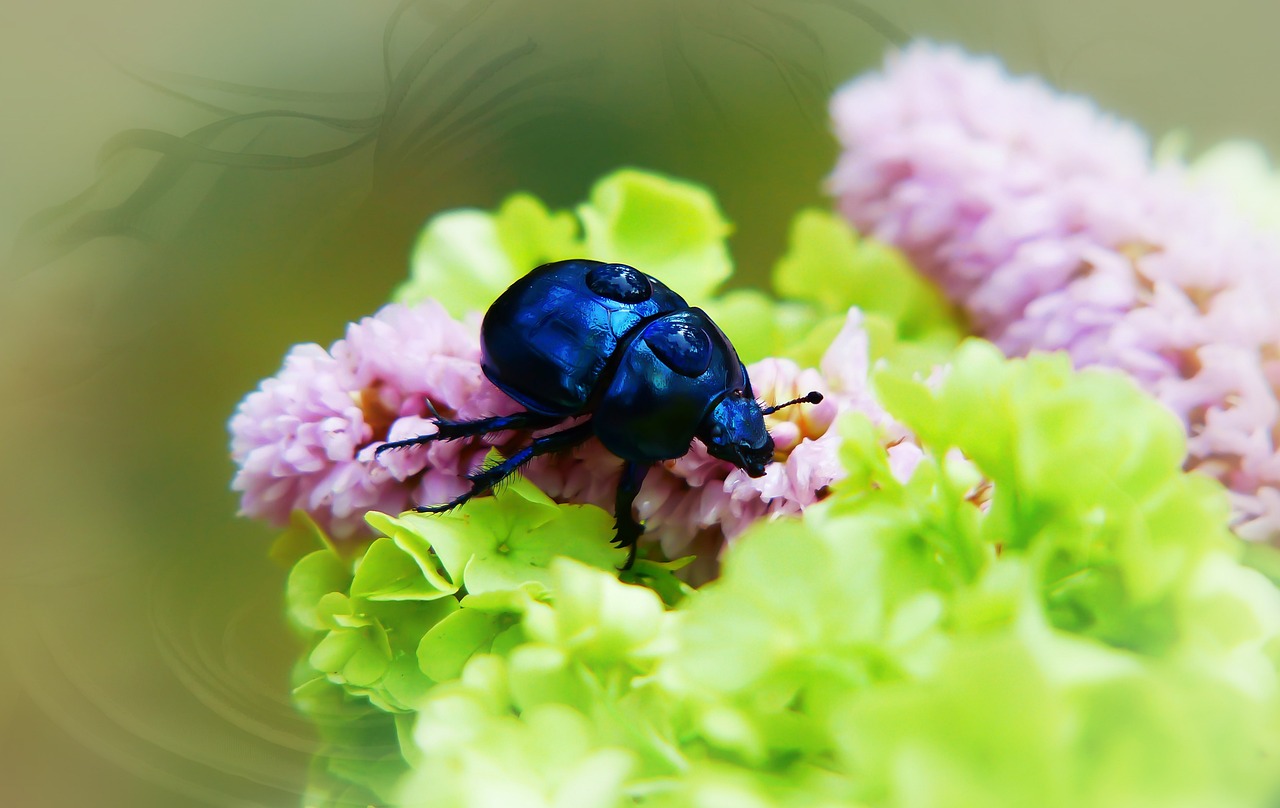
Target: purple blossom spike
column 1048, row 223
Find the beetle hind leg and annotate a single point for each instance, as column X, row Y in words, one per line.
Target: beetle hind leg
column 453, row 430
column 490, row 476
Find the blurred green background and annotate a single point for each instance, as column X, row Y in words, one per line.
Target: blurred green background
column 152, row 279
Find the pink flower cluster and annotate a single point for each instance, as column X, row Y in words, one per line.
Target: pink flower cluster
column 1048, row 223
column 305, row 439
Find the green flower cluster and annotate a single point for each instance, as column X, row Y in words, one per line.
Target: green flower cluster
column 1047, row 612
column 675, row 231
column 1051, row 615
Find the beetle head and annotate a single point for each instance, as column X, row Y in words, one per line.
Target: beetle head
column 734, row 430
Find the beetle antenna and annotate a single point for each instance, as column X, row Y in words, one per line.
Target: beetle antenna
column 812, row 398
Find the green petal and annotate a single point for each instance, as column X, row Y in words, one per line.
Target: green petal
column 465, row 258
column 544, row 674
column 599, row 618
column 451, row 643
column 338, row 611
column 332, row 652
column 441, row 544
column 404, row 684
column 831, row 266
column 671, row 229
column 312, row 577
column 531, row 235
column 525, row 555
column 660, row 576
column 371, row 660
column 518, row 504
column 303, row 536
column 387, row 572
column 493, row 543
column 451, row 538
column 832, row 269
column 760, row 327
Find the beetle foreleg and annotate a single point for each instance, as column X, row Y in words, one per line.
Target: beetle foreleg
column 487, row 478
column 628, row 529
column 453, row 430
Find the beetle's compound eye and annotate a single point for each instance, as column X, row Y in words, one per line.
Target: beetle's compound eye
column 619, row 282
column 716, row 432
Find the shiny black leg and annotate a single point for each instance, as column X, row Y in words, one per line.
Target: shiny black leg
column 488, row 477
column 628, row 529
column 453, row 430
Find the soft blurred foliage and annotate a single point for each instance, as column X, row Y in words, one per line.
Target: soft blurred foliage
column 188, row 190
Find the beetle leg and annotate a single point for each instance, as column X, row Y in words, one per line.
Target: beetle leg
column 487, row 478
column 452, row 430
column 628, row 529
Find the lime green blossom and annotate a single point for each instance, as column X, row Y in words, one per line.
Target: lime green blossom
column 464, row 259
column 1049, row 611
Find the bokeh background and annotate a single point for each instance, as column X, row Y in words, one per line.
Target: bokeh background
column 188, row 189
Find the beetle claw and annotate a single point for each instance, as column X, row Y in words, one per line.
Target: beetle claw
column 436, row 508
column 631, row 559
column 404, row 444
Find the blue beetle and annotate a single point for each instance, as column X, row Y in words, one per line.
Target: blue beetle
column 583, row 337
